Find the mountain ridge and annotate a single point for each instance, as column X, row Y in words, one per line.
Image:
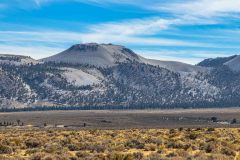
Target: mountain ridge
column 107, row 55
column 126, row 79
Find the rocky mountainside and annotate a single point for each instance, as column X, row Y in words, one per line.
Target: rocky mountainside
column 215, row 62
column 106, row 75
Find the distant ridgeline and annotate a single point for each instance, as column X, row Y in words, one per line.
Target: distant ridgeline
column 106, row 76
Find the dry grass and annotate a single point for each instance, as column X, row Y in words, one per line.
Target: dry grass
column 149, row 144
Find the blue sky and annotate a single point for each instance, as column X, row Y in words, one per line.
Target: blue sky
column 181, row 30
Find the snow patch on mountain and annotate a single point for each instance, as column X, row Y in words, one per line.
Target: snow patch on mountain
column 80, row 78
column 199, row 86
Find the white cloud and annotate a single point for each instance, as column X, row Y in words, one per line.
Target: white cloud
column 187, row 56
column 207, row 8
column 187, row 7
column 74, row 37
column 36, row 52
column 136, row 26
column 135, row 32
column 147, row 26
column 45, row 43
column 40, row 44
column 168, row 55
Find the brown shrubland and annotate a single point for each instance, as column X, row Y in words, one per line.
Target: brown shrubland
column 131, row 144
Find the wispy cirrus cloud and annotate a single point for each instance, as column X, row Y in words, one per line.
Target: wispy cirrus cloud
column 52, row 42
column 171, row 24
column 136, row 26
column 147, row 26
column 75, row 37
column 187, row 56
column 206, row 8
column 35, row 51
column 189, row 7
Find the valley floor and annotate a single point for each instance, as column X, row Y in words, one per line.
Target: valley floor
column 129, row 144
column 123, row 119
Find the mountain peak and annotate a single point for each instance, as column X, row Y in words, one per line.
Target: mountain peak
column 216, row 62
column 16, row 59
column 94, row 54
column 84, row 47
column 107, row 55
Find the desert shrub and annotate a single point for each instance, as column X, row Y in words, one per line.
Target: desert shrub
column 73, row 147
column 154, row 141
column 208, row 148
column 65, row 141
column 98, row 156
column 52, row 148
column 119, row 147
column 49, row 157
column 172, row 131
column 32, row 143
column 31, row 151
column 192, row 136
column 182, row 153
column 194, row 147
column 172, row 154
column 228, row 151
column 119, row 156
column 211, row 129
column 96, row 147
column 82, row 154
column 37, row 156
column 210, row 140
column 17, row 141
column 180, row 129
column 138, row 155
column 135, row 144
column 186, row 146
column 73, row 158
column 174, row 145
column 188, row 129
column 5, row 149
column 198, row 129
column 154, row 156
column 150, row 147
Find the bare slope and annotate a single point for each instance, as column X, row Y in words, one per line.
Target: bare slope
column 103, row 55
